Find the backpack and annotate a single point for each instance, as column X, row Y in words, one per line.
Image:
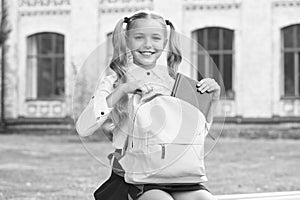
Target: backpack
column 166, row 143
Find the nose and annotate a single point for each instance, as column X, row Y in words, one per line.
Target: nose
column 148, row 43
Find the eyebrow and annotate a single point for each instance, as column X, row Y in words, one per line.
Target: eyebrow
column 154, row 34
column 138, row 33
column 157, row 34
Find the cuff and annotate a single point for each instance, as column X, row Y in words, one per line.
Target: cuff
column 101, row 108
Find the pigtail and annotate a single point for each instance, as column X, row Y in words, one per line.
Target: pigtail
column 119, row 59
column 174, row 55
column 118, row 65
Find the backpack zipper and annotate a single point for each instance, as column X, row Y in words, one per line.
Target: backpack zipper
column 163, row 148
column 163, row 151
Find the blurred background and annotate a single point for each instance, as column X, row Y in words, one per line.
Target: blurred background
column 54, row 51
column 254, row 44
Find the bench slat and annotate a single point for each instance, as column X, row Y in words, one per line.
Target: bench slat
column 262, row 196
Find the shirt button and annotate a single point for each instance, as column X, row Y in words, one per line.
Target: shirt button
column 148, row 73
column 102, row 113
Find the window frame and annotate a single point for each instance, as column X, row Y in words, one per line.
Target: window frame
column 296, row 61
column 35, row 72
column 220, row 52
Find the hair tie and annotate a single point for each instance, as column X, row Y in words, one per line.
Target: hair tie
column 168, row 22
column 126, row 20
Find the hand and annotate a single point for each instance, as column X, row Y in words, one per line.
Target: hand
column 138, row 86
column 209, row 85
column 124, row 89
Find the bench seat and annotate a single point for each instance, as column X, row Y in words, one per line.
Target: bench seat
column 293, row 195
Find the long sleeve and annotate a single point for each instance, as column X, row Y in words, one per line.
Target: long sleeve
column 97, row 111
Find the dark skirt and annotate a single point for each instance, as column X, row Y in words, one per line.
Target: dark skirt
column 115, row 188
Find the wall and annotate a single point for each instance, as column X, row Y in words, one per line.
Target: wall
column 257, row 69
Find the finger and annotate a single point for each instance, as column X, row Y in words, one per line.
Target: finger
column 146, row 89
column 208, row 81
column 149, row 88
column 212, row 88
column 200, row 82
column 213, row 84
column 140, row 84
column 205, row 81
column 143, row 87
column 204, row 89
column 202, row 85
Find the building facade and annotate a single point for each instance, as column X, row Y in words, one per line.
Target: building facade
column 58, row 49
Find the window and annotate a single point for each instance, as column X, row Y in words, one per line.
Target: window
column 291, row 60
column 45, row 66
column 218, row 43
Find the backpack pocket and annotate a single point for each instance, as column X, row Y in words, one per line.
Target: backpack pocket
column 167, row 163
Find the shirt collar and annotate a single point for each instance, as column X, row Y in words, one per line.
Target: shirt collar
column 159, row 70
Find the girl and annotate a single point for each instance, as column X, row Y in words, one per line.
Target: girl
column 143, row 39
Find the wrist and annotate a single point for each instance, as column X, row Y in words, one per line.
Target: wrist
column 215, row 96
column 215, row 99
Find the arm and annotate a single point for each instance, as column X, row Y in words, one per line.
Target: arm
column 116, row 95
column 97, row 111
column 103, row 101
column 210, row 85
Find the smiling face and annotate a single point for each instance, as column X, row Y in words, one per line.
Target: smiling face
column 146, row 40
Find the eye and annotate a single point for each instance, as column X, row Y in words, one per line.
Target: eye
column 138, row 37
column 157, row 38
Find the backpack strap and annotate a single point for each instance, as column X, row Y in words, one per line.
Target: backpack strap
column 114, row 158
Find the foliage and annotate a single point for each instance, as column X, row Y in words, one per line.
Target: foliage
column 4, row 25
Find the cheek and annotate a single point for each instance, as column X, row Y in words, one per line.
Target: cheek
column 160, row 45
column 130, row 45
column 133, row 44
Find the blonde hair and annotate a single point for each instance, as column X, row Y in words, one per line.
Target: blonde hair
column 120, row 60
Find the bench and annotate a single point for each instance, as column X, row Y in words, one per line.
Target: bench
column 294, row 195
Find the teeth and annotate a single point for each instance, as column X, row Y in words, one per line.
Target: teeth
column 147, row 53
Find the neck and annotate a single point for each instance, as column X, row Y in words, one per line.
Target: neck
column 146, row 67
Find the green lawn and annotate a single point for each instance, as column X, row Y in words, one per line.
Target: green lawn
column 248, row 166
column 60, row 167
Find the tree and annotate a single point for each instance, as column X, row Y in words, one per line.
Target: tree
column 4, row 34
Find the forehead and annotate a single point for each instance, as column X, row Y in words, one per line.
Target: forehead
column 147, row 26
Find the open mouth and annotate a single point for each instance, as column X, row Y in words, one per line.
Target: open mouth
column 147, row 53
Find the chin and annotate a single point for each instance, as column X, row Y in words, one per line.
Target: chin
column 145, row 63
